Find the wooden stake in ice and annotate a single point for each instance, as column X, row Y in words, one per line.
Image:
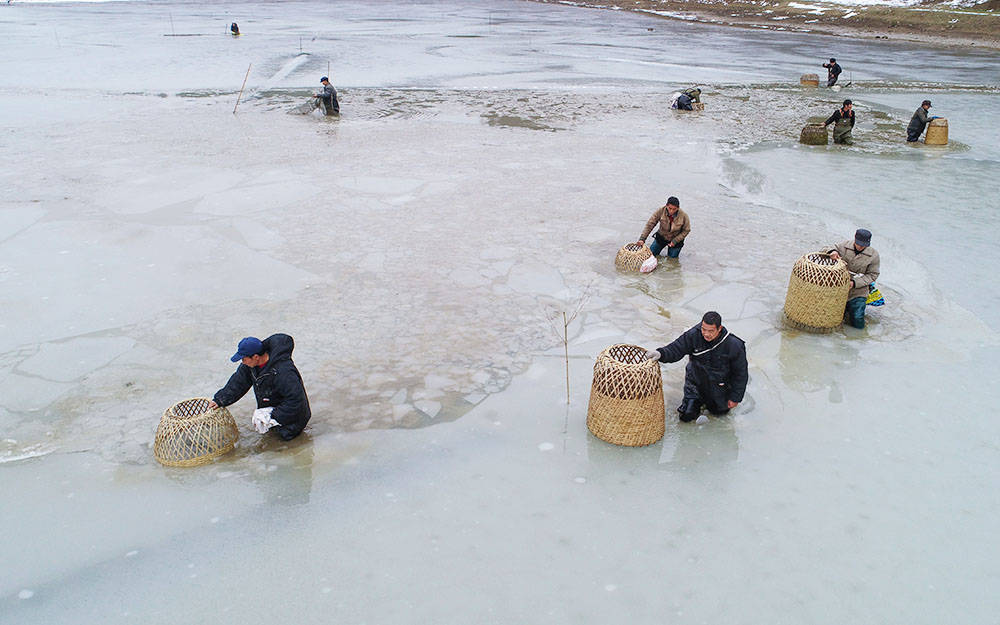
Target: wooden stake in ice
column 241, row 88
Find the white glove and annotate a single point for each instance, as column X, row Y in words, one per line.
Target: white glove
column 653, row 354
column 262, row 420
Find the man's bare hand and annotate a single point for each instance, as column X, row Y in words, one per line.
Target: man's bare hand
column 732, row 404
column 212, row 405
column 835, row 255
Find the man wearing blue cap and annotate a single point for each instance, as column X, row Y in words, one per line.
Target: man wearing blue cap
column 328, row 97
column 267, row 366
column 863, row 263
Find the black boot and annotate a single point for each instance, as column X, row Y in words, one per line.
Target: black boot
column 689, row 410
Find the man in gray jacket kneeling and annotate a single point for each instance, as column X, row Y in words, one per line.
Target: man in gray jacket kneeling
column 863, row 263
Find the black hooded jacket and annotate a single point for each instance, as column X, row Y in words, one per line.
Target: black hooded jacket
column 721, row 362
column 277, row 384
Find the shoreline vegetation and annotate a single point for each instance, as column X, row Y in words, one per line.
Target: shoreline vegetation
column 939, row 23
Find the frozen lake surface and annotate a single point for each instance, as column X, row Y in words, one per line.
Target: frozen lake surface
column 491, row 159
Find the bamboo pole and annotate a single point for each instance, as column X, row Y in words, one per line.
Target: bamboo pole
column 566, row 349
column 241, row 88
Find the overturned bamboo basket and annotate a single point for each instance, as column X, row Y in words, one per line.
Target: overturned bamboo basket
column 817, row 293
column 937, row 132
column 626, row 397
column 631, row 256
column 809, row 80
column 191, row 433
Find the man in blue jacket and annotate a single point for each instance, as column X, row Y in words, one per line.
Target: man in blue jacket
column 267, row 366
column 716, row 374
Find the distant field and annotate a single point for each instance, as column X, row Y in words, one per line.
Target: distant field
column 944, row 22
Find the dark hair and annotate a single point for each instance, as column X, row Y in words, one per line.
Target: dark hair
column 927, row 102
column 846, row 102
column 674, row 201
column 712, row 318
column 833, row 60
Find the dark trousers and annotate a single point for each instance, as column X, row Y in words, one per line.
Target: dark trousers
column 913, row 135
column 855, row 312
column 330, row 107
column 672, row 252
column 832, row 80
column 698, row 393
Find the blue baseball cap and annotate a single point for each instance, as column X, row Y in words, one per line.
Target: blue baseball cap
column 250, row 346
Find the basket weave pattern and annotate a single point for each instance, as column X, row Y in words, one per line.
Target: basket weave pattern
column 626, row 397
column 631, row 256
column 814, row 134
column 937, row 132
column 817, row 293
column 809, row 80
column 190, row 433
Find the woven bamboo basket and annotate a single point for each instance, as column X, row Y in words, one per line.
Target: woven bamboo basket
column 631, row 256
column 697, row 106
column 817, row 293
column 626, row 397
column 937, row 132
column 190, row 433
column 809, row 80
column 814, row 134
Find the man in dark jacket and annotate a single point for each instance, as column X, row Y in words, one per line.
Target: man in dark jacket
column 919, row 121
column 267, row 366
column 833, row 71
column 328, row 97
column 843, row 123
column 683, row 103
column 716, row 373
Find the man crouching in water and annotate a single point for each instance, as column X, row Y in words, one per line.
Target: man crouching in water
column 716, row 374
column 267, row 366
column 328, row 98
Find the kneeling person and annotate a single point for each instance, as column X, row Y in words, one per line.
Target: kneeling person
column 716, row 374
column 328, row 97
column 674, row 226
column 863, row 262
column 267, row 366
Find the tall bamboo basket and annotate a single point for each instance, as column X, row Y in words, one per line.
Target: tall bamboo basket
column 626, row 397
column 631, row 256
column 809, row 80
column 937, row 132
column 190, row 433
column 817, row 293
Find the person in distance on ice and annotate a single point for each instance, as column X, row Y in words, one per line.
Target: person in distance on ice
column 328, row 97
column 919, row 121
column 716, row 374
column 674, row 227
column 683, row 99
column 863, row 263
column 833, row 71
column 282, row 404
column 843, row 123
column 234, row 28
